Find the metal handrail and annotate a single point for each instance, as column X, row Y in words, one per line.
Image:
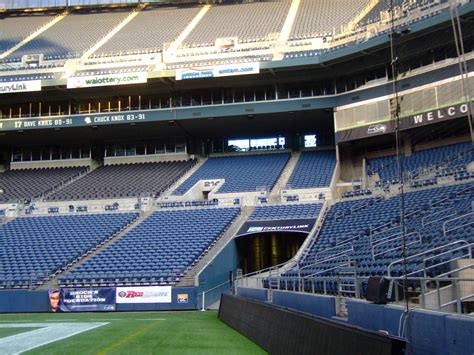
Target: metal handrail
column 331, row 258
column 470, row 266
column 433, row 203
column 359, row 207
column 385, row 231
column 443, row 262
column 350, row 240
column 348, row 263
column 419, row 240
column 423, row 224
column 379, row 227
column 444, row 305
column 384, row 239
column 466, row 189
column 445, row 231
column 337, row 247
column 259, row 272
column 203, row 306
column 416, row 256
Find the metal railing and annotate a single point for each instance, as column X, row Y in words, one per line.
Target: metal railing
column 420, row 288
column 218, row 290
column 401, row 237
column 432, row 292
column 337, row 247
column 446, row 230
column 257, row 276
column 374, row 229
column 374, row 237
column 443, row 216
column 458, row 245
column 324, row 261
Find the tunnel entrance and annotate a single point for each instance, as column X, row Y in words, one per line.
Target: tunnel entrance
column 262, row 250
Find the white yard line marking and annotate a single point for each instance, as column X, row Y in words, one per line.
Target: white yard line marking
column 48, row 333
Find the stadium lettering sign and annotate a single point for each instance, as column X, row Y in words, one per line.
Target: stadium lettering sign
column 409, row 122
column 106, row 80
column 217, row 71
column 72, row 121
column 441, row 114
column 20, row 86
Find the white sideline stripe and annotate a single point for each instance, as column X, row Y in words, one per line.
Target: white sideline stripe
column 48, row 333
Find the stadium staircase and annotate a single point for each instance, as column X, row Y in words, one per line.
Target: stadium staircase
column 36, row 33
column 183, row 178
column 361, row 15
column 278, row 53
column 171, row 51
column 190, row 278
column 285, row 175
column 112, row 33
column 53, row 282
column 45, row 196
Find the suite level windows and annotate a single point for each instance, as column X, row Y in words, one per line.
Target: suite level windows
column 310, row 141
column 50, row 153
column 245, row 145
column 130, row 150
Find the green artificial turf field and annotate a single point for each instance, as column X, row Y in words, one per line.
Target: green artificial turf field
column 128, row 333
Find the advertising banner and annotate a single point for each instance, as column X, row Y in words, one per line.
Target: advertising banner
column 20, row 86
column 218, row 71
column 106, row 80
column 146, row 294
column 87, row 300
column 286, row 225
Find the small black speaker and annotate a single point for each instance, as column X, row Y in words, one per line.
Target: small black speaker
column 377, row 290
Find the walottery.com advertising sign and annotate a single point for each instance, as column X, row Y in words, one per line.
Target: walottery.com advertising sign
column 106, row 80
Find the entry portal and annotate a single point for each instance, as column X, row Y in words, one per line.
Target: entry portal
column 262, row 250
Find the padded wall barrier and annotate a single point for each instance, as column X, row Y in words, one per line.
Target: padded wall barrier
column 257, row 294
column 281, row 331
column 318, row 305
column 428, row 332
column 17, row 301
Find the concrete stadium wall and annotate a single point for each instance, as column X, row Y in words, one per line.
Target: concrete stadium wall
column 161, row 158
column 46, row 164
column 217, row 273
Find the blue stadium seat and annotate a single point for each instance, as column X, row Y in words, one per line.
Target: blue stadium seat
column 241, row 173
column 34, row 248
column 159, row 250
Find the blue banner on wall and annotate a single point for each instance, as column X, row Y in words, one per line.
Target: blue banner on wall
column 87, row 300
